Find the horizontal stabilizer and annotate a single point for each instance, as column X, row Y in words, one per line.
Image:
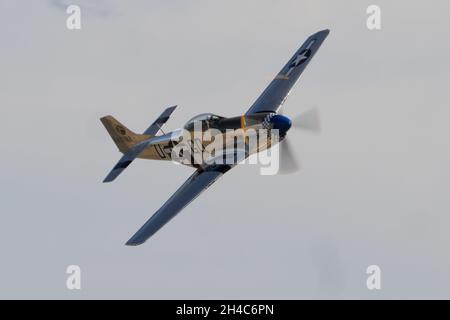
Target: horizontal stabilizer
column 162, row 119
column 126, row 159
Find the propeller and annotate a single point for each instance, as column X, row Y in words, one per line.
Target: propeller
column 309, row 121
column 288, row 160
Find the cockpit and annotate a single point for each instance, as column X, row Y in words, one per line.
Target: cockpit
column 203, row 121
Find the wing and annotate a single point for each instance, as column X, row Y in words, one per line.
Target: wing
column 274, row 95
column 194, row 185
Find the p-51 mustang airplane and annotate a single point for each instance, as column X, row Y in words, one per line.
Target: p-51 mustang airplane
column 263, row 114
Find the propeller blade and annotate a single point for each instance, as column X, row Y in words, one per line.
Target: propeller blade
column 288, row 162
column 308, row 120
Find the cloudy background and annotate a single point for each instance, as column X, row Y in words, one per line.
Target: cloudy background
column 374, row 188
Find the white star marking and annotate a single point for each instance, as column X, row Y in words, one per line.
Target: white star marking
column 300, row 58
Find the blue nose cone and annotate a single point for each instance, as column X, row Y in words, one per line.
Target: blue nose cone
column 282, row 123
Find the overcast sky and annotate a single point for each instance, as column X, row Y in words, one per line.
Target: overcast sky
column 374, row 186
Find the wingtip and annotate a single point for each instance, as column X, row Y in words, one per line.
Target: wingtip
column 322, row 34
column 135, row 241
column 109, row 178
column 324, row 31
column 133, row 244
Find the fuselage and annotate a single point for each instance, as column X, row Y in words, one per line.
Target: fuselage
column 248, row 133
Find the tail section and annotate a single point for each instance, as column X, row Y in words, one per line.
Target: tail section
column 123, row 137
column 132, row 145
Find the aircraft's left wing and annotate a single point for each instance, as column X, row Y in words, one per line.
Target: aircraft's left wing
column 194, row 185
column 273, row 97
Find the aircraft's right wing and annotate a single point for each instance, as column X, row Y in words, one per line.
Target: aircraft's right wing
column 191, row 189
column 273, row 97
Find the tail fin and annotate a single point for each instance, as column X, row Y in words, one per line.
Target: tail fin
column 123, row 137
